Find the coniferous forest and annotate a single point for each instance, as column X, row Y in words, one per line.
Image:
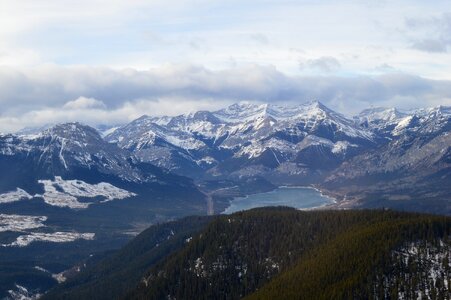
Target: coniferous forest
column 277, row 253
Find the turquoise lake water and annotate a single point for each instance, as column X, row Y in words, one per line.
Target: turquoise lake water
column 297, row 197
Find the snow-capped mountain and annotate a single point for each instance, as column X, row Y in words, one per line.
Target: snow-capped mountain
column 265, row 134
column 29, row 131
column 307, row 143
column 70, row 161
column 391, row 122
column 295, row 144
column 67, row 185
column 414, row 164
column 381, row 120
column 66, row 148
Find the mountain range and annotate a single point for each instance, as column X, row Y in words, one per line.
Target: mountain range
column 65, row 193
column 245, row 139
column 381, row 157
column 94, row 188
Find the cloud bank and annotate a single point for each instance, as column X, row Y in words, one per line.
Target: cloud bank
column 94, row 95
column 430, row 34
column 323, row 64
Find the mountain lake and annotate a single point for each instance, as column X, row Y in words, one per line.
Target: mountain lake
column 297, row 197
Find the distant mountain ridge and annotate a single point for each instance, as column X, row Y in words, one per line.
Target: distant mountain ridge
column 267, row 134
column 304, row 144
column 409, row 171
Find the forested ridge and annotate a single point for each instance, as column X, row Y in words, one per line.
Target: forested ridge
column 349, row 267
column 289, row 254
column 113, row 276
column 278, row 253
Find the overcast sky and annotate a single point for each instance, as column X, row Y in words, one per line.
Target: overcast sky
column 108, row 62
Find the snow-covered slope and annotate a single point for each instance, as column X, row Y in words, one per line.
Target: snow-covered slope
column 380, row 120
column 297, row 144
column 69, row 162
column 414, row 164
column 65, row 193
column 192, row 143
column 391, row 122
column 65, row 148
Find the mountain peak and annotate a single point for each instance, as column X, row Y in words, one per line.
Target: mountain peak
column 240, row 106
column 314, row 103
column 72, row 130
column 446, row 110
column 29, row 131
column 143, row 117
column 381, row 114
column 318, row 106
column 70, row 126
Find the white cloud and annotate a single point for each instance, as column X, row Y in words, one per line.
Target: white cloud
column 430, row 45
column 430, row 33
column 143, row 34
column 84, row 103
column 62, row 60
column 323, row 64
column 107, row 96
column 93, row 116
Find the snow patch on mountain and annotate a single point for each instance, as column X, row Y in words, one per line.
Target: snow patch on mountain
column 13, row 196
column 341, row 147
column 19, row 223
column 313, row 140
column 404, row 123
column 256, row 149
column 55, row 237
column 424, row 269
column 106, row 130
column 188, row 143
column 22, row 293
column 206, row 160
column 64, row 193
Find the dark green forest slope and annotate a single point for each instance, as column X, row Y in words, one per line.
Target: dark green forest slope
column 282, row 253
column 115, row 275
column 354, row 264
